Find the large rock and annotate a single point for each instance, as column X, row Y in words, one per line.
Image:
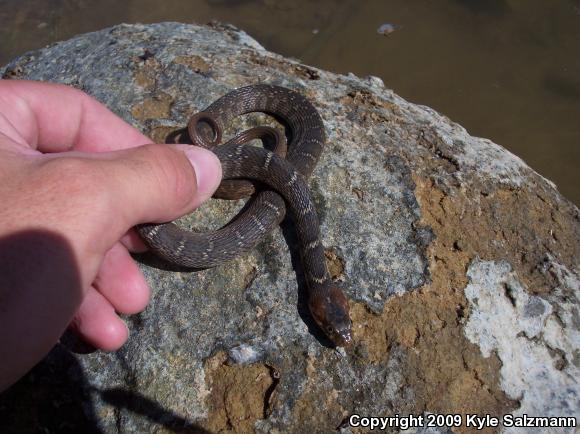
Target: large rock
column 460, row 261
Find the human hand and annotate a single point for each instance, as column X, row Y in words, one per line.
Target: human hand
column 73, row 181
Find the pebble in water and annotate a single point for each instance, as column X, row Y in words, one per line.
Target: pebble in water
column 387, row 28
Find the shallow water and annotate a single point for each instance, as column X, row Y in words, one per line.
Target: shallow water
column 508, row 70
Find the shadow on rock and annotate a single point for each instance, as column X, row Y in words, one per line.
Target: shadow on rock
column 139, row 404
column 53, row 397
column 56, row 397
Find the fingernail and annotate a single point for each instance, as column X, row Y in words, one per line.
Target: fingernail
column 208, row 170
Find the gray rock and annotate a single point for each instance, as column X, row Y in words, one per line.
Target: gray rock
column 408, row 202
column 523, row 329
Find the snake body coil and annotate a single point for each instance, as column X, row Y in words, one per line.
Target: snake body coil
column 287, row 178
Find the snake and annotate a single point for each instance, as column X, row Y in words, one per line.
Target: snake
column 277, row 179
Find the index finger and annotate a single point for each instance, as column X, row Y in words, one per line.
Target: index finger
column 58, row 118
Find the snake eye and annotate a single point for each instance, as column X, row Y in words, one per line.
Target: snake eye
column 329, row 330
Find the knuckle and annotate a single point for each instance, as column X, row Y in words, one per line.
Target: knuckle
column 77, row 173
column 81, row 182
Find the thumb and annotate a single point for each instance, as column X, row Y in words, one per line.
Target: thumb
column 159, row 183
column 93, row 199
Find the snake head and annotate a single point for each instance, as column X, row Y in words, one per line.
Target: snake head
column 330, row 311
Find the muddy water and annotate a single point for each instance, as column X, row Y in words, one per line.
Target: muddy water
column 508, row 70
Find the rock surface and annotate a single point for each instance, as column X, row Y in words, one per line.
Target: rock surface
column 461, row 264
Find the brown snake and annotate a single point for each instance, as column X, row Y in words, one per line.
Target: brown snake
column 240, row 163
